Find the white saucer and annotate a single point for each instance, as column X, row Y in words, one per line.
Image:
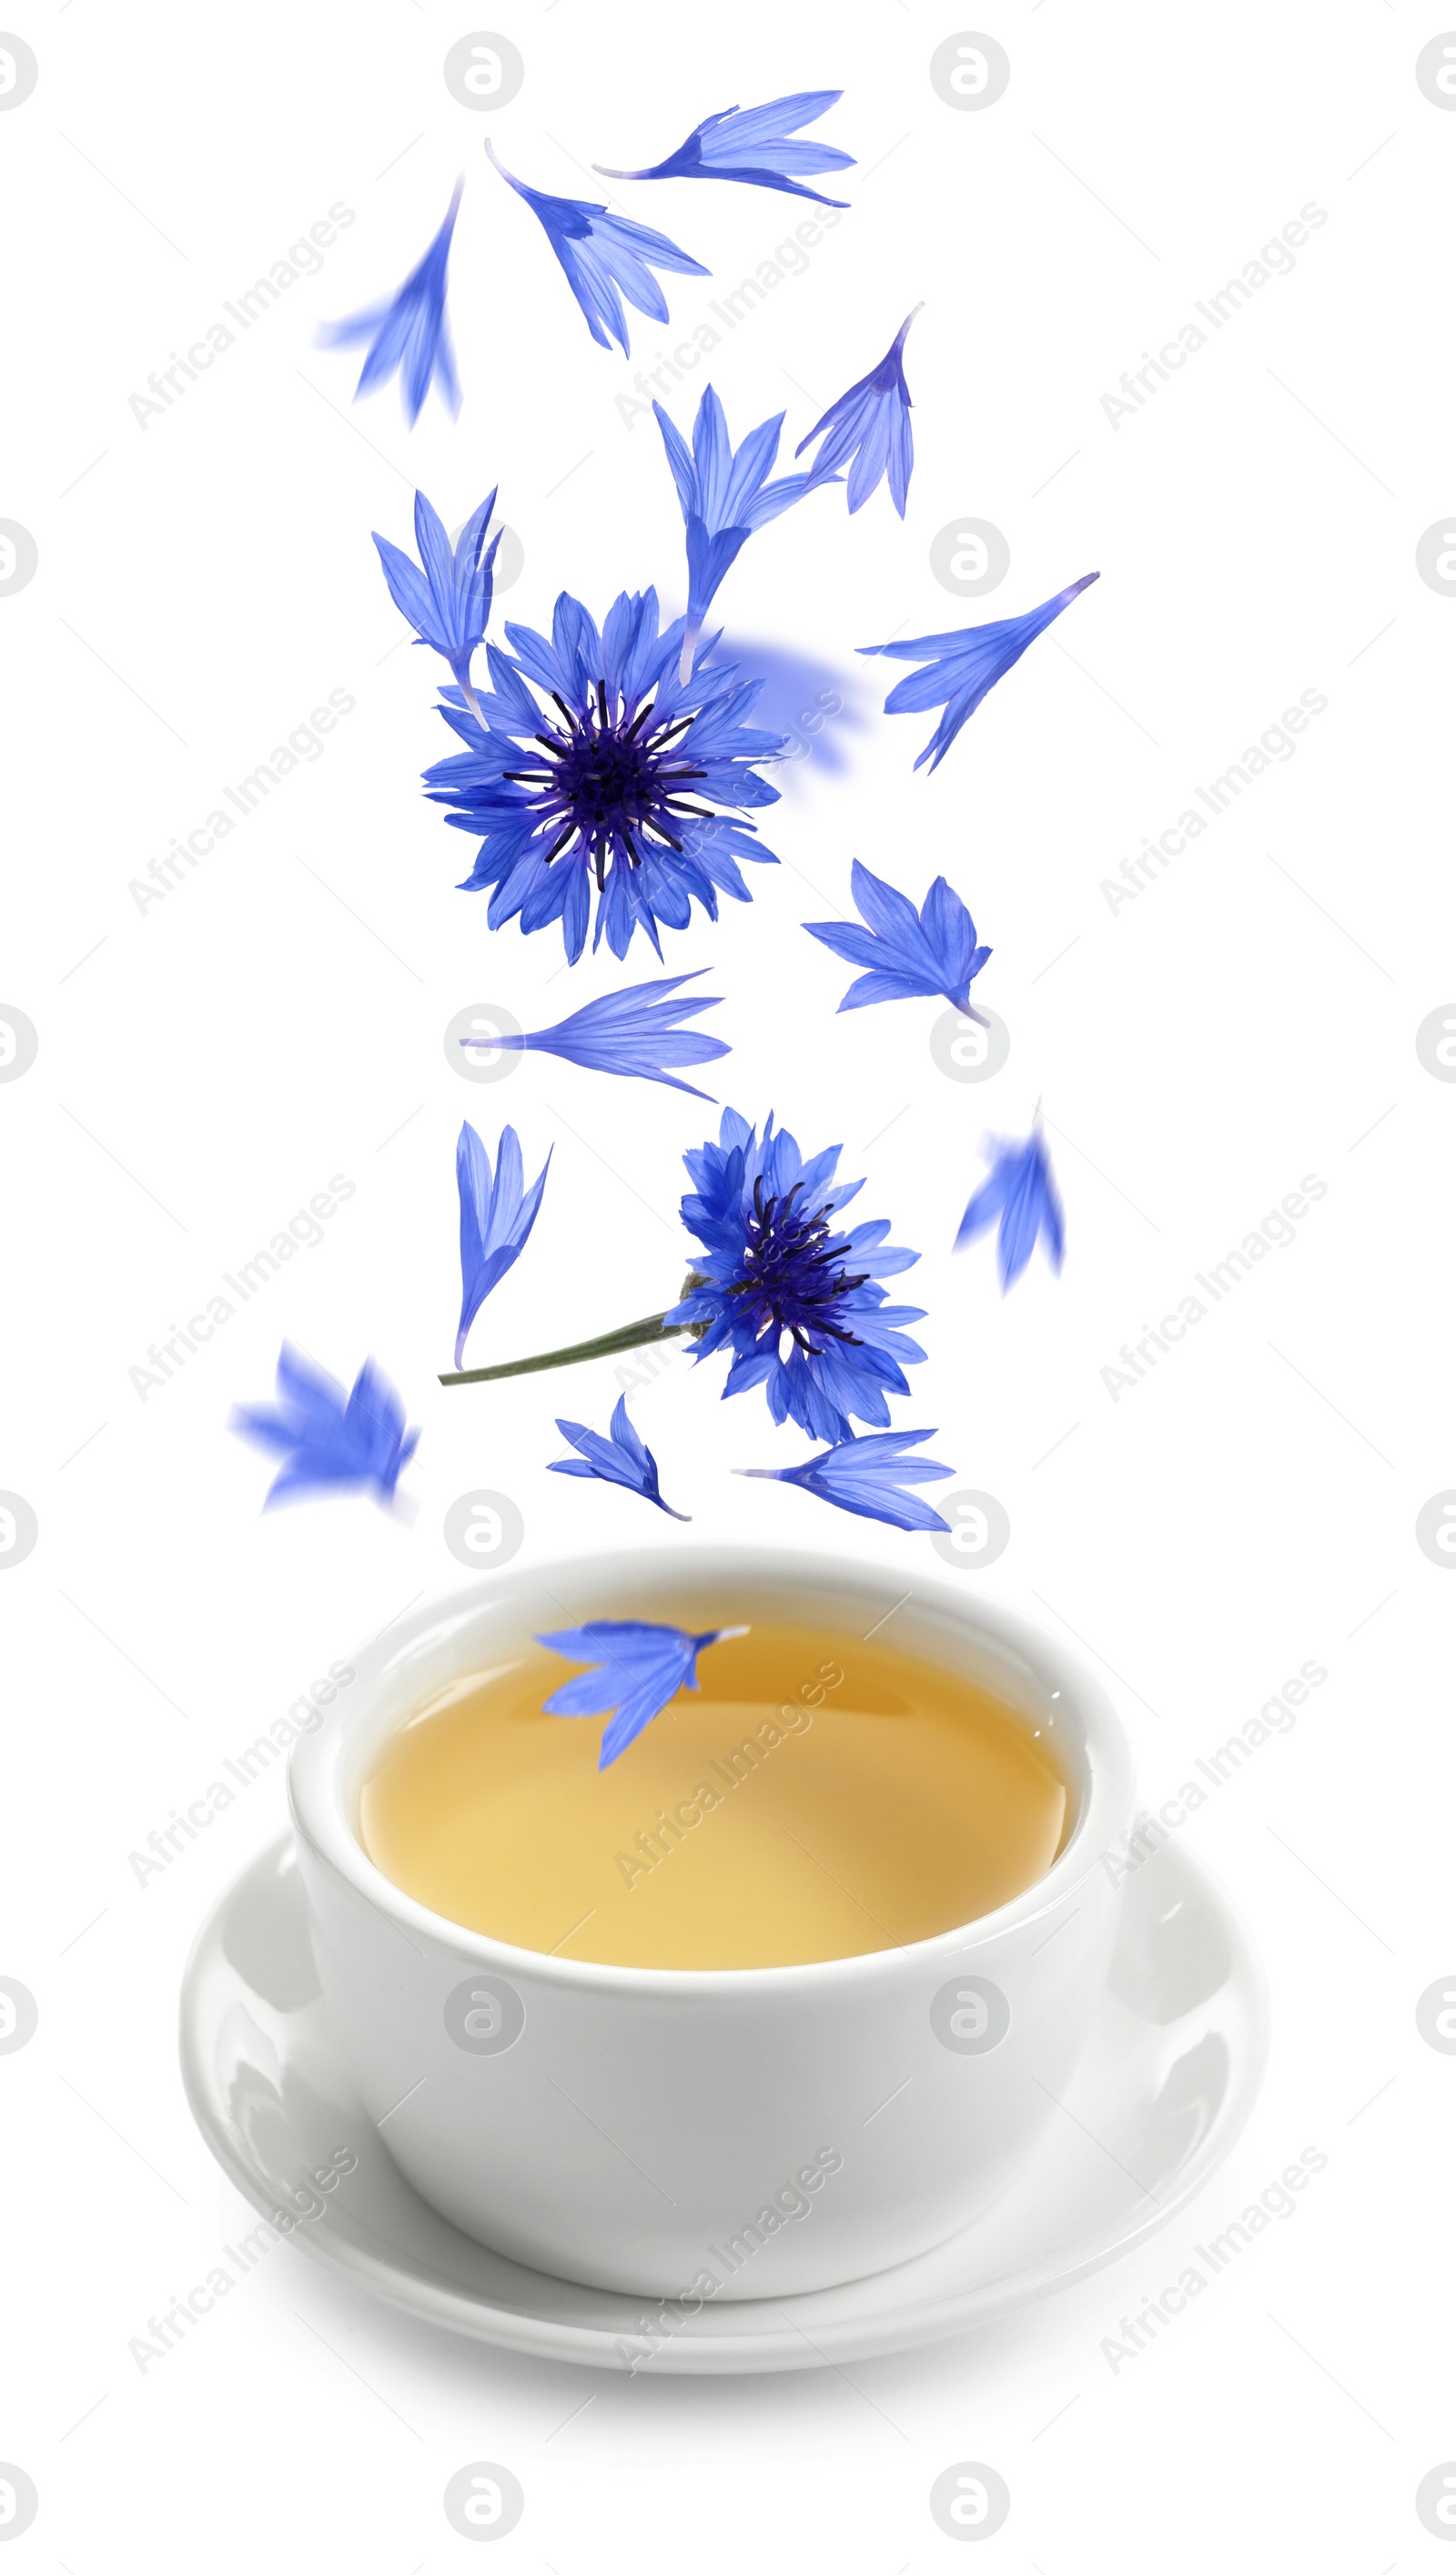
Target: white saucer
column 1169, row 2078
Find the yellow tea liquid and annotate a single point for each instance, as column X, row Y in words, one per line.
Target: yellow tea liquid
column 815, row 1798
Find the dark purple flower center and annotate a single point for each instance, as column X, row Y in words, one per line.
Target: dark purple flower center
column 793, row 1275
column 609, row 784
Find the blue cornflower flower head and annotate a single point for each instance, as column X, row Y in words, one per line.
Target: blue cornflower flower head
column 864, row 1475
column 753, row 144
column 910, row 954
column 1020, row 1194
column 613, row 780
column 724, row 498
column 448, row 603
column 963, row 665
column 604, row 257
column 624, row 1034
column 495, row 1218
column 409, row 332
column 621, row 1460
column 870, row 424
column 639, row 1668
column 793, row 1299
column 329, row 1440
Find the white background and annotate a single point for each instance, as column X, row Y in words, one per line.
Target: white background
column 205, row 1065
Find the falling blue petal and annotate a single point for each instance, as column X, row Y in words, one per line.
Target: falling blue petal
column 1020, row 1194
column 329, row 1440
column 495, row 1218
column 409, row 332
column 795, row 1301
column 808, row 700
column 640, row 1669
column 448, row 603
column 604, row 257
column 963, row 665
column 910, row 954
column 608, row 780
column 624, row 1034
column 621, row 1460
column 864, row 1475
column 724, row 498
column 753, row 144
column 869, row 425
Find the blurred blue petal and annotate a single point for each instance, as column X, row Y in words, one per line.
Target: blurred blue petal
column 752, row 144
column 604, row 257
column 621, row 1032
column 495, row 1218
column 911, row 953
column 724, row 498
column 794, row 1298
column 869, row 429
column 409, row 332
column 327, row 1439
column 641, row 1669
column 864, row 1475
column 1020, row 1194
column 814, row 703
column 963, row 665
column 448, row 603
column 621, row 1460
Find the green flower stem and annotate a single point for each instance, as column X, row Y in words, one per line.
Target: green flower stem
column 628, row 1336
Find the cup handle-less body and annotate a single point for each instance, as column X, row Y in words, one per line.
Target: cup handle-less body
column 754, row 2132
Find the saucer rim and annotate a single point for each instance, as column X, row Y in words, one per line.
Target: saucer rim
column 431, row 2298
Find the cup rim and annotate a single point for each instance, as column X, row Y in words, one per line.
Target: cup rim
column 317, row 1812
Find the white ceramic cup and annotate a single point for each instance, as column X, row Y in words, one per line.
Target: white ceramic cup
column 694, row 2133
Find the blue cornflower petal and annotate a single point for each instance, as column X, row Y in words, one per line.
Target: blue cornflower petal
column 495, row 1218
column 869, row 429
column 623, row 1033
column 641, row 1669
column 723, row 499
column 911, row 953
column 618, row 780
column 1020, row 1192
column 601, row 253
column 327, row 1439
column 963, row 665
column 409, row 332
column 448, row 603
column 795, row 1300
column 752, row 145
column 864, row 1475
column 621, row 1460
